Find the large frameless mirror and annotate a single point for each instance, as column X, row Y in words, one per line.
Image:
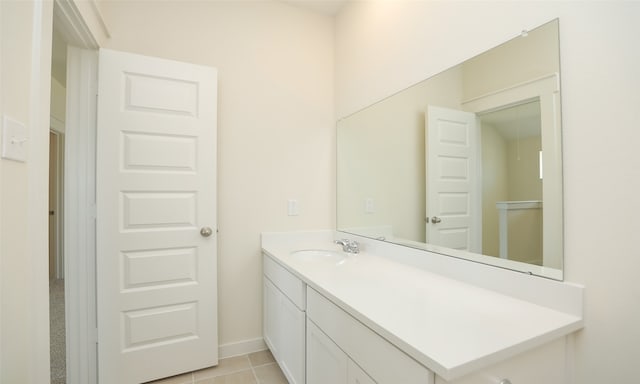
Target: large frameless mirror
column 467, row 163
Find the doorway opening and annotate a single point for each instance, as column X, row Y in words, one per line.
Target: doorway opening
column 57, row 318
column 56, row 262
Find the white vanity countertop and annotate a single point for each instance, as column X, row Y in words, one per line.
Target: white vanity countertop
column 451, row 327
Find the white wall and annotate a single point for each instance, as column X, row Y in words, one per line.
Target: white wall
column 25, row 48
column 276, row 124
column 58, row 100
column 384, row 47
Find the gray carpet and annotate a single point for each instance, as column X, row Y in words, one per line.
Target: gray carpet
column 57, row 329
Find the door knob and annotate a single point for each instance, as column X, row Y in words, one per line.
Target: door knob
column 206, row 231
column 435, row 220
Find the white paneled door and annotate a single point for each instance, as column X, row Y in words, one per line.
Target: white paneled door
column 453, row 192
column 156, row 218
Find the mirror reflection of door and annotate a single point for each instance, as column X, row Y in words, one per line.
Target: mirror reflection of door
column 453, row 212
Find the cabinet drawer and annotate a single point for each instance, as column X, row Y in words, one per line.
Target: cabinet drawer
column 288, row 283
column 381, row 360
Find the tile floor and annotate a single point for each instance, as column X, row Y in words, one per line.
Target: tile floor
column 254, row 368
column 57, row 331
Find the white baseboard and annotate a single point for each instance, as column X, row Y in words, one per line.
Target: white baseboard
column 241, row 348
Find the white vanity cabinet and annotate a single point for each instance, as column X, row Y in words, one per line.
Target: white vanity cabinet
column 327, row 363
column 342, row 347
column 284, row 319
column 542, row 365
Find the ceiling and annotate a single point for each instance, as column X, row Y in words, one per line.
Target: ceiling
column 516, row 122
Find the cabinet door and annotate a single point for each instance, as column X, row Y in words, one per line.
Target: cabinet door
column 291, row 323
column 270, row 314
column 284, row 332
column 357, row 375
column 326, row 363
column 382, row 361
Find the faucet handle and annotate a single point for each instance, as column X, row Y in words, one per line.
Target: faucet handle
column 350, row 246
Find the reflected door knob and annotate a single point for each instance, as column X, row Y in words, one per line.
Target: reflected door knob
column 435, row 220
column 206, row 231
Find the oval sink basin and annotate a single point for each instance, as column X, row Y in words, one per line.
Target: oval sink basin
column 319, row 255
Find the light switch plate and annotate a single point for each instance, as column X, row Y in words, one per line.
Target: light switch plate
column 14, row 140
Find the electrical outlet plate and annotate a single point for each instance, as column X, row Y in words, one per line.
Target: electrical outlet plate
column 292, row 208
column 14, row 140
column 369, row 205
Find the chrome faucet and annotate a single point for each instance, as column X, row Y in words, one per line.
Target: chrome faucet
column 349, row 246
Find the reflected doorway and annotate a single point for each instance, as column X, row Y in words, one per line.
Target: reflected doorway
column 512, row 182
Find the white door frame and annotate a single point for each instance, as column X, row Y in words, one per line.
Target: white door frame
column 79, row 185
column 80, row 233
